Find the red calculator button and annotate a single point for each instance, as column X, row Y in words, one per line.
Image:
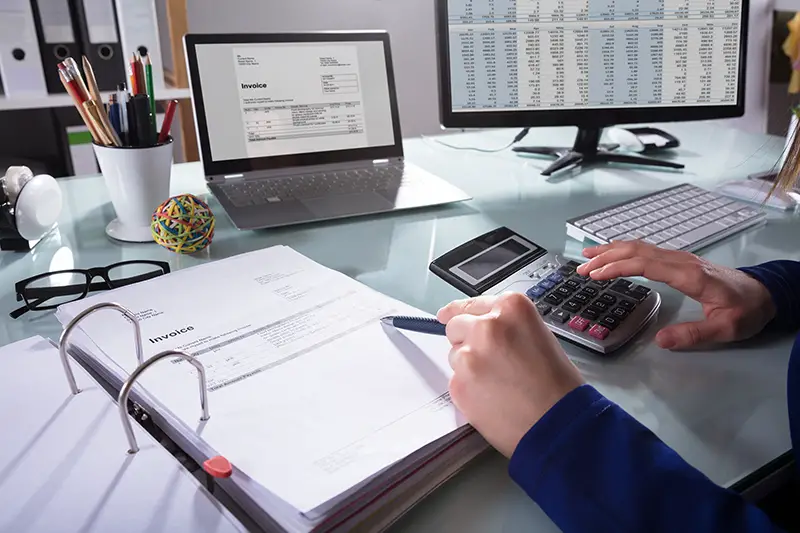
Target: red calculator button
column 579, row 323
column 599, row 332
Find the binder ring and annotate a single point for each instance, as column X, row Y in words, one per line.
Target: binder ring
column 62, row 341
column 122, row 402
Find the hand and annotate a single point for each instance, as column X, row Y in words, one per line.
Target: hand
column 509, row 370
column 735, row 305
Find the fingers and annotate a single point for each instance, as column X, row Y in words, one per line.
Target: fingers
column 473, row 306
column 603, row 255
column 459, row 327
column 690, row 334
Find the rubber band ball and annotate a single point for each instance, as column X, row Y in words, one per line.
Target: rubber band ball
column 184, row 224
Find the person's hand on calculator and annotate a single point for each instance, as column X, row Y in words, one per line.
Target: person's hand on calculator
column 509, row 369
column 735, row 305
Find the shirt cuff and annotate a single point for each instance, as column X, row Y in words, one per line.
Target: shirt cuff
column 530, row 456
column 786, row 312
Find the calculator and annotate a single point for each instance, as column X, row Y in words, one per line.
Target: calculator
column 601, row 316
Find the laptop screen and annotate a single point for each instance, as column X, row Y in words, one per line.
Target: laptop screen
column 272, row 99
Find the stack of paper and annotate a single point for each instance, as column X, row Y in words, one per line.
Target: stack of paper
column 331, row 420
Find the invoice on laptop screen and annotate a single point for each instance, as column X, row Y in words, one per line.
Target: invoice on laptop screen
column 274, row 99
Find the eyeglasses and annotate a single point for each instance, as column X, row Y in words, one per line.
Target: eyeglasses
column 49, row 290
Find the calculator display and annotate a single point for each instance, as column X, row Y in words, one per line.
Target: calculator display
column 504, row 253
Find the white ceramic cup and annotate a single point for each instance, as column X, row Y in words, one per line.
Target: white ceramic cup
column 138, row 182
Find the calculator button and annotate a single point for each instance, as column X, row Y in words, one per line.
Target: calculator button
column 581, row 279
column 573, row 264
column 591, row 314
column 607, row 298
column 602, row 284
column 552, row 299
column 563, row 291
column 582, row 298
column 641, row 289
column 573, row 306
column 559, row 316
column 610, row 322
column 627, row 305
column 621, row 285
column 601, row 307
column 555, row 277
column 543, row 308
column 638, row 296
column 619, row 313
column 546, row 285
column 599, row 332
column 579, row 324
column 566, row 270
column 590, row 291
column 535, row 292
column 572, row 284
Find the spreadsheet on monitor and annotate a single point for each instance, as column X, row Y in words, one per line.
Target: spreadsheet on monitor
column 545, row 54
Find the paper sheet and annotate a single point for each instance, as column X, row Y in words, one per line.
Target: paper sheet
column 309, row 393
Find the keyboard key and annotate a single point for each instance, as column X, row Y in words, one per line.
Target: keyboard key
column 572, row 284
column 610, row 322
column 543, row 308
column 619, row 312
column 573, row 306
column 599, row 332
column 552, row 299
column 600, row 307
column 609, row 299
column 535, row 292
column 582, row 298
column 560, row 316
column 627, row 305
column 590, row 291
column 578, row 323
column 609, row 233
column 555, row 277
column 591, row 314
column 563, row 291
column 546, row 284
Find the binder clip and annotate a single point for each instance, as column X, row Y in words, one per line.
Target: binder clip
column 122, row 401
column 62, row 341
column 29, row 208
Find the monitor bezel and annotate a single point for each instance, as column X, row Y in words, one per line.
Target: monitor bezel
column 586, row 118
column 241, row 166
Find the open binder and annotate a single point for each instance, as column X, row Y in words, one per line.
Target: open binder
column 296, row 351
column 64, row 460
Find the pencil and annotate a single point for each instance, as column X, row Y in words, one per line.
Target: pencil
column 141, row 87
column 164, row 135
column 148, row 75
column 72, row 89
column 94, row 91
column 133, row 88
column 93, row 111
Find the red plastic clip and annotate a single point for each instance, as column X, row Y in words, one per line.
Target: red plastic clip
column 218, row 467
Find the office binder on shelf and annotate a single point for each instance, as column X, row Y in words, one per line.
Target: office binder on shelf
column 20, row 59
column 99, row 36
column 138, row 29
column 57, row 41
column 312, row 370
column 65, row 459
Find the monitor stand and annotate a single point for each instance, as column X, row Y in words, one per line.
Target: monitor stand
column 587, row 150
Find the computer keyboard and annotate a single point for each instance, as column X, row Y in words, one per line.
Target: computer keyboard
column 684, row 217
column 271, row 190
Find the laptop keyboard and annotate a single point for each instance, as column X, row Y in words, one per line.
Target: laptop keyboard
column 680, row 218
column 272, row 190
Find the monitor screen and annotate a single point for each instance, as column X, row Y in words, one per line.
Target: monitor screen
column 511, row 55
column 274, row 99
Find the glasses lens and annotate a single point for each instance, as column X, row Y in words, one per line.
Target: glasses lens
column 133, row 273
column 56, row 289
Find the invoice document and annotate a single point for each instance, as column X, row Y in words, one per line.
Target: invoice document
column 309, row 394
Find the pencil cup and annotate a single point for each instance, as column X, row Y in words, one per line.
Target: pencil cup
column 138, row 181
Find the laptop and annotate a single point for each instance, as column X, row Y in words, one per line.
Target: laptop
column 301, row 127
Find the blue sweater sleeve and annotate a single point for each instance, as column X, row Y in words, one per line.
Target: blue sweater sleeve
column 593, row 468
column 782, row 280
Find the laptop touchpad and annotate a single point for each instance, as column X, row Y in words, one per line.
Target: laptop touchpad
column 348, row 204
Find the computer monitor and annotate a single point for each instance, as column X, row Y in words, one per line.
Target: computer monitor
column 591, row 64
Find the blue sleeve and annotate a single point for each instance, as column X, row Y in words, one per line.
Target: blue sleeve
column 591, row 467
column 782, row 280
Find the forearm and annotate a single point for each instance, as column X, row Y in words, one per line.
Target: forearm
column 782, row 280
column 592, row 467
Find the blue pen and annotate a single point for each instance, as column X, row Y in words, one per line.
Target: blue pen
column 114, row 116
column 431, row 326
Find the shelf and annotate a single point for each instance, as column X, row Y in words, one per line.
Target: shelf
column 63, row 100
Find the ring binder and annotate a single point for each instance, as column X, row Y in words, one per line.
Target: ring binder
column 125, row 391
column 62, row 341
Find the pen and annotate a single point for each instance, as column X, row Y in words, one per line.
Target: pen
column 93, row 111
column 113, row 114
column 94, row 93
column 141, row 118
column 122, row 100
column 165, row 127
column 73, row 90
column 148, row 78
column 431, row 326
